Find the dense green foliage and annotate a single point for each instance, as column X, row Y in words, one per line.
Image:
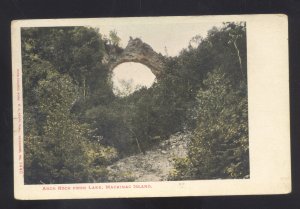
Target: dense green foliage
column 57, row 144
column 219, row 146
column 75, row 126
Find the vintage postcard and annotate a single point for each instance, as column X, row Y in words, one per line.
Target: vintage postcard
column 151, row 107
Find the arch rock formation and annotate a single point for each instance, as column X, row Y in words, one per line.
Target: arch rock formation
column 140, row 52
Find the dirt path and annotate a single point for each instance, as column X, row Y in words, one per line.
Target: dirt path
column 155, row 165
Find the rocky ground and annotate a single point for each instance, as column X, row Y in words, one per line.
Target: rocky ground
column 154, row 165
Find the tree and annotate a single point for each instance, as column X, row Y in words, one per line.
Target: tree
column 75, row 125
column 114, row 38
column 219, row 146
column 77, row 51
column 125, row 88
column 56, row 155
column 60, row 66
column 57, row 146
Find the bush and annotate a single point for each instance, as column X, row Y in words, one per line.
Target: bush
column 219, row 146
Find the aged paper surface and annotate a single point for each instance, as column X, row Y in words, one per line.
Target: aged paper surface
column 267, row 83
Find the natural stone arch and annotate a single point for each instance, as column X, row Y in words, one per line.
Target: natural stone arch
column 140, row 52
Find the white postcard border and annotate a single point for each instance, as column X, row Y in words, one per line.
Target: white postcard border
column 269, row 126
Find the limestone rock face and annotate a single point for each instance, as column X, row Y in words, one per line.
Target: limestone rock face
column 138, row 51
column 155, row 165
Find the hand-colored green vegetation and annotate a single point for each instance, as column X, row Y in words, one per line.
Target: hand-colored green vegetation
column 74, row 125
